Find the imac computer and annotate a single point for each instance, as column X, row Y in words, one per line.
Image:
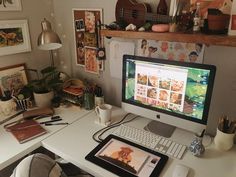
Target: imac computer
column 173, row 93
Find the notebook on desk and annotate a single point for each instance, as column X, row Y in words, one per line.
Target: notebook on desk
column 26, row 130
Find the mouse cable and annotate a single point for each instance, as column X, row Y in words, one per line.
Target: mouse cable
column 99, row 136
column 115, row 124
column 108, row 127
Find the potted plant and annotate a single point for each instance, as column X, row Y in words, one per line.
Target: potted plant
column 44, row 87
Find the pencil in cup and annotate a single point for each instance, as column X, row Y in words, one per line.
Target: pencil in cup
column 24, row 104
column 227, row 126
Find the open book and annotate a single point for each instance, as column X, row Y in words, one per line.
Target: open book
column 26, row 130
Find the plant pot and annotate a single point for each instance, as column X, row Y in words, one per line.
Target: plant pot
column 43, row 99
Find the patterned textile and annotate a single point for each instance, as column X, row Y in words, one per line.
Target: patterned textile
column 38, row 165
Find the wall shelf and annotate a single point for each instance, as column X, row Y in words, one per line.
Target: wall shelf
column 221, row 40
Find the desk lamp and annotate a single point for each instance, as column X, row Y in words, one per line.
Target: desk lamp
column 48, row 39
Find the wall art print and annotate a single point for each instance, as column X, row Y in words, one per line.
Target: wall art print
column 10, row 5
column 178, row 51
column 14, row 37
column 84, row 25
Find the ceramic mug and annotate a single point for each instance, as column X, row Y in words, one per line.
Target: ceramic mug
column 104, row 113
column 7, row 107
column 224, row 141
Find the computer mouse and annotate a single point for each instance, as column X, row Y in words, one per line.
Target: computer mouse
column 180, row 171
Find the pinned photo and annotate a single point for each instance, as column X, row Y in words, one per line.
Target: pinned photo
column 79, row 25
column 91, row 63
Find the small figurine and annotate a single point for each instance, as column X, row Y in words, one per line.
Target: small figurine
column 131, row 27
column 196, row 147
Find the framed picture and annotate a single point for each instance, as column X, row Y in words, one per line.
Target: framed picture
column 10, row 5
column 13, row 78
column 14, row 37
column 84, row 25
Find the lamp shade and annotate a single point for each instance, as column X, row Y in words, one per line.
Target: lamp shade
column 48, row 39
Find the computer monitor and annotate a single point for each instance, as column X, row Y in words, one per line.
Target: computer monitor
column 171, row 92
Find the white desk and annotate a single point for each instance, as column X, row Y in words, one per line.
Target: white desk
column 74, row 142
column 11, row 150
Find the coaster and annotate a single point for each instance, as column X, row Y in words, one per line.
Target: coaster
column 99, row 123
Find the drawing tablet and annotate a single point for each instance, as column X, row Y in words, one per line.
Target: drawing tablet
column 126, row 158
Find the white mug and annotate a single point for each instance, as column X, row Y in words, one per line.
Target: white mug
column 7, row 107
column 104, row 113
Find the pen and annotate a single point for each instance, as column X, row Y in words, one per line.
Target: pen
column 49, row 121
column 61, row 123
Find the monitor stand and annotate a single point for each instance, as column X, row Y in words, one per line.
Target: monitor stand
column 160, row 128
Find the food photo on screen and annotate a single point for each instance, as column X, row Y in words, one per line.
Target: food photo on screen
column 166, row 87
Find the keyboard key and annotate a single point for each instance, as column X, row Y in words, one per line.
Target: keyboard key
column 178, row 150
column 181, row 152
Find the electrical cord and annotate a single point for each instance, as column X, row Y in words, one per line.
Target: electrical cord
column 103, row 130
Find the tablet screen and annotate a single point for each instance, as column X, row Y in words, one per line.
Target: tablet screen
column 123, row 157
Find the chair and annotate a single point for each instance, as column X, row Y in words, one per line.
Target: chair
column 38, row 165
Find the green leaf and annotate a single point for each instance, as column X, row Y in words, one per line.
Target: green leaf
column 49, row 69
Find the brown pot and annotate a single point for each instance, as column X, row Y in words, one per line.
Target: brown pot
column 218, row 22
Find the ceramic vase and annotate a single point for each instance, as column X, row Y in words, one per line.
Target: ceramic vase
column 196, row 147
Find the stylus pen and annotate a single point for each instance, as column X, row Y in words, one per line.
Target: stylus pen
column 49, row 121
column 61, row 123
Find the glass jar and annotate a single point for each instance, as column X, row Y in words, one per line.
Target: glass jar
column 88, row 101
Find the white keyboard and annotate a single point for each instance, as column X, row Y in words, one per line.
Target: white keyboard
column 151, row 141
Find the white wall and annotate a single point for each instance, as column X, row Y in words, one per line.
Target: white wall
column 34, row 12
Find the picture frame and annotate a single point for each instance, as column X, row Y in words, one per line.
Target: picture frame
column 10, row 5
column 84, row 26
column 13, row 78
column 14, row 37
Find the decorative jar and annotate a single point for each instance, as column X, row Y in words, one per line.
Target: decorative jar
column 196, row 147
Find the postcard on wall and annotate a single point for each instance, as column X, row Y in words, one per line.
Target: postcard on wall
column 10, row 5
column 91, row 62
column 179, row 51
column 84, row 21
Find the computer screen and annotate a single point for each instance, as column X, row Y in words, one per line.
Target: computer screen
column 168, row 91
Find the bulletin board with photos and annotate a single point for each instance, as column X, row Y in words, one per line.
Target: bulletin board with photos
column 86, row 39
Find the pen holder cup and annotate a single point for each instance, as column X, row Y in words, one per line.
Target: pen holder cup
column 88, row 101
column 224, row 141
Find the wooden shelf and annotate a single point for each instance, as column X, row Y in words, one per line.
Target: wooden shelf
column 221, row 40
